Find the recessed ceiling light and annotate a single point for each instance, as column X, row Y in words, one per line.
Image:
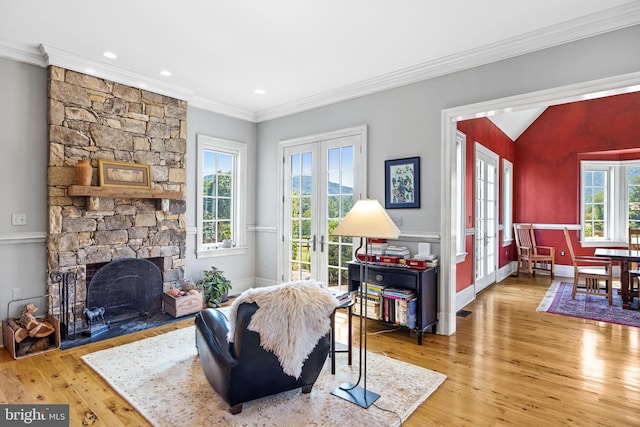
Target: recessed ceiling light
column 259, row 91
column 110, row 55
column 165, row 73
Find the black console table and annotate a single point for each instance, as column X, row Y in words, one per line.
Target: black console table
column 423, row 282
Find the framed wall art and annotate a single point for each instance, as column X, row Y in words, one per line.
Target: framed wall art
column 123, row 174
column 402, row 183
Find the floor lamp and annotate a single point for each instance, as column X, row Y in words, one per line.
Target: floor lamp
column 366, row 219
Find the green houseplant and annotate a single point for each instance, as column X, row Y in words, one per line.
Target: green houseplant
column 215, row 287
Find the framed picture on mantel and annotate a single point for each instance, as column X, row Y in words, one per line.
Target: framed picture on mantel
column 123, row 174
column 402, row 183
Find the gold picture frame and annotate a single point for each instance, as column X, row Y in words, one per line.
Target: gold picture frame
column 123, row 174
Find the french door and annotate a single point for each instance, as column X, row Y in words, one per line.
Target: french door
column 486, row 209
column 323, row 176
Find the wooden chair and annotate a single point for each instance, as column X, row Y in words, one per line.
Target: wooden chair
column 634, row 268
column 530, row 255
column 595, row 270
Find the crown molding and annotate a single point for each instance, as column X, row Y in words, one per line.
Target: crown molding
column 45, row 55
column 580, row 28
column 225, row 109
column 71, row 61
column 22, row 52
column 576, row 29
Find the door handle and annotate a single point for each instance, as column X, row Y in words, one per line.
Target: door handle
column 322, row 243
column 313, row 243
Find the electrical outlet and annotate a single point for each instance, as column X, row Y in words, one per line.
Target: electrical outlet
column 16, row 293
column 561, row 253
column 18, row 219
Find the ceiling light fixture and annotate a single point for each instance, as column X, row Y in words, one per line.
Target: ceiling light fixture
column 110, row 55
column 259, row 91
column 165, row 73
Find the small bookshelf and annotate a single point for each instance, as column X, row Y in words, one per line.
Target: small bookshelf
column 398, row 295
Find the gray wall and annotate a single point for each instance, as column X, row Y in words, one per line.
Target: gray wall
column 406, row 121
column 23, row 172
column 239, row 268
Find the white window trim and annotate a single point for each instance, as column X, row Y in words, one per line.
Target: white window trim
column 616, row 210
column 239, row 150
column 461, row 179
column 507, row 208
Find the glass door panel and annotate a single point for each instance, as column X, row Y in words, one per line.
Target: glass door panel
column 322, row 180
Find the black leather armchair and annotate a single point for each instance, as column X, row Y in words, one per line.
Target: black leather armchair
column 243, row 371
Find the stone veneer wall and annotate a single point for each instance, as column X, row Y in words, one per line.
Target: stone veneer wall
column 92, row 118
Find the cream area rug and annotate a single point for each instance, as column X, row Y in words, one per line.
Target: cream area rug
column 162, row 378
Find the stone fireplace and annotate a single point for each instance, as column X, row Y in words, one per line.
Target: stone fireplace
column 95, row 119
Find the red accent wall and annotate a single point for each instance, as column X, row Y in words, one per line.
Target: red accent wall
column 546, row 165
column 547, row 155
column 485, row 132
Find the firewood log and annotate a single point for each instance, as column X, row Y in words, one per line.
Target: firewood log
column 20, row 334
column 40, row 345
column 13, row 325
column 44, row 330
column 23, row 347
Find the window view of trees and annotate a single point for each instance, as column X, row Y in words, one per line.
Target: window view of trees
column 633, row 188
column 595, row 191
column 610, row 203
column 217, row 198
column 305, row 225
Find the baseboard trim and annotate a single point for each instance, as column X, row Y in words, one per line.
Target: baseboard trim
column 465, row 296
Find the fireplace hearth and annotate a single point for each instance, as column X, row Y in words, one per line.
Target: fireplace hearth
column 123, row 296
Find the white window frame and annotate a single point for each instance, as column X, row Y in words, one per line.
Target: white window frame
column 239, row 151
column 507, row 202
column 616, row 202
column 461, row 196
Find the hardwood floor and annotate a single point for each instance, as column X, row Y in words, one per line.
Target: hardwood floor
column 505, row 365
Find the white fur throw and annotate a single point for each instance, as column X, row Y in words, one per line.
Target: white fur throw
column 290, row 319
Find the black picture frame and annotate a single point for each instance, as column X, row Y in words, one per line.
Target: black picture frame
column 402, row 183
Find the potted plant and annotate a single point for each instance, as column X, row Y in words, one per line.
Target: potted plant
column 215, row 287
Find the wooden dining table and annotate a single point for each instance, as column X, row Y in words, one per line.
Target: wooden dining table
column 625, row 257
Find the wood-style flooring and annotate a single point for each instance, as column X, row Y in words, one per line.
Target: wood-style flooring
column 506, row 365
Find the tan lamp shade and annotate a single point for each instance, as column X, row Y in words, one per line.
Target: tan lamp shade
column 367, row 218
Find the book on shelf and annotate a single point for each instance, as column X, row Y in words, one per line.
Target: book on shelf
column 341, row 295
column 372, row 288
column 399, row 251
column 371, row 306
column 398, row 293
column 411, row 313
column 398, row 306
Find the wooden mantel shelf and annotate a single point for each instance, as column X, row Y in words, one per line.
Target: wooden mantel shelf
column 129, row 193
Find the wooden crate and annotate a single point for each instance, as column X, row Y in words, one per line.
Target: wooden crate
column 12, row 347
column 181, row 306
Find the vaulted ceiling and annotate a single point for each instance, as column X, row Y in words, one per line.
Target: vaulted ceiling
column 301, row 53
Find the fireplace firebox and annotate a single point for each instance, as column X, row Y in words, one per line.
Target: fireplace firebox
column 127, row 289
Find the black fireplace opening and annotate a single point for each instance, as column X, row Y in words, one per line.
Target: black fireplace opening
column 126, row 289
column 130, row 290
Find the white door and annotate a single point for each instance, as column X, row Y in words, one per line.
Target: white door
column 322, row 179
column 486, row 209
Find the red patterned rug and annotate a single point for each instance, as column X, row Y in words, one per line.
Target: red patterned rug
column 558, row 300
